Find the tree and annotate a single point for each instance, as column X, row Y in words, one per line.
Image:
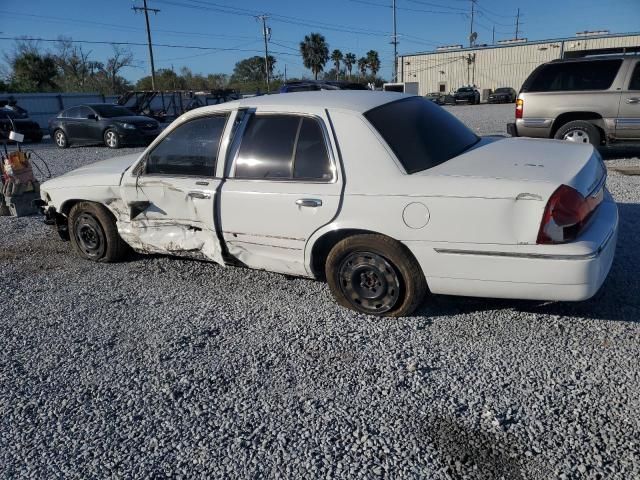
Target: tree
column 33, row 73
column 362, row 66
column 252, row 69
column 373, row 62
column 166, row 79
column 75, row 68
column 349, row 61
column 122, row 57
column 336, row 58
column 315, row 52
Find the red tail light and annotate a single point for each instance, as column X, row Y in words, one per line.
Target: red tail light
column 566, row 214
column 519, row 107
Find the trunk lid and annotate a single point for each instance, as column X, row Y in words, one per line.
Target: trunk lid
column 553, row 162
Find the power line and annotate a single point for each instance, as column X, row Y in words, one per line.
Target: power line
column 408, row 9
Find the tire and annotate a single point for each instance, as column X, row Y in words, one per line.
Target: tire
column 376, row 275
column 111, row 138
column 94, row 234
column 579, row 131
column 60, row 139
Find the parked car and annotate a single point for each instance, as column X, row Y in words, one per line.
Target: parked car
column 503, row 95
column 15, row 117
column 102, row 122
column 587, row 100
column 312, row 86
column 386, row 196
column 467, row 94
column 436, row 97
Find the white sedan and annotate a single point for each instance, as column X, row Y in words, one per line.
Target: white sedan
column 386, row 196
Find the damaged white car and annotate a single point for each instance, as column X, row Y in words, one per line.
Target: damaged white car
column 386, row 196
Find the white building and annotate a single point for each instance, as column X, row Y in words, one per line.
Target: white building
column 506, row 64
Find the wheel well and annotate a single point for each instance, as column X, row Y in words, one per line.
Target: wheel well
column 322, row 247
column 591, row 117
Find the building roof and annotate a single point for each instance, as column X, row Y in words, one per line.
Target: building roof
column 356, row 100
column 519, row 44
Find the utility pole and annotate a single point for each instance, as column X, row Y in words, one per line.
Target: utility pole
column 473, row 6
column 146, row 11
column 493, row 35
column 266, row 32
column 395, row 44
column 285, row 73
column 517, row 24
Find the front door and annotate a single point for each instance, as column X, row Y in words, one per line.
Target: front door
column 171, row 200
column 283, row 185
column 628, row 122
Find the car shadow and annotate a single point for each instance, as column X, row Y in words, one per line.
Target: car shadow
column 618, row 299
column 620, row 151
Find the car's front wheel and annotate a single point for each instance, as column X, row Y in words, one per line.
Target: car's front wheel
column 61, row 139
column 111, row 139
column 94, row 234
column 579, row 131
column 376, row 275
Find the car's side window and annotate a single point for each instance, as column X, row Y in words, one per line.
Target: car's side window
column 190, row 149
column 266, row 151
column 73, row 112
column 84, row 112
column 283, row 147
column 312, row 159
column 634, row 84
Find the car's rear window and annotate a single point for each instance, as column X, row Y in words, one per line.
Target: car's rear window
column 420, row 133
column 573, row 76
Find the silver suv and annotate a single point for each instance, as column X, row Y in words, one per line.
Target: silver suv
column 589, row 100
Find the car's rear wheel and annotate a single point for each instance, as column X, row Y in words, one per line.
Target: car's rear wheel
column 579, row 131
column 111, row 139
column 376, row 275
column 61, row 139
column 94, row 234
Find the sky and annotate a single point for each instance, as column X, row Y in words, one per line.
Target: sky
column 227, row 31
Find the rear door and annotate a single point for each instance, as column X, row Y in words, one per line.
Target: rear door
column 282, row 186
column 73, row 123
column 171, row 202
column 628, row 121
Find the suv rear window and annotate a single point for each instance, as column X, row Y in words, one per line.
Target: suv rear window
column 573, row 76
column 420, row 133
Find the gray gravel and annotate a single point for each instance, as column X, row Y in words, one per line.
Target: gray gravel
column 163, row 367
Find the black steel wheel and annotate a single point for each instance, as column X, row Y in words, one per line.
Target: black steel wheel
column 89, row 236
column 94, row 234
column 369, row 281
column 376, row 275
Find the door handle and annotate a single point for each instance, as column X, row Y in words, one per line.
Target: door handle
column 633, row 100
column 309, row 202
column 199, row 195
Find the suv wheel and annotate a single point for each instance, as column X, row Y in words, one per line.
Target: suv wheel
column 579, row 131
column 376, row 275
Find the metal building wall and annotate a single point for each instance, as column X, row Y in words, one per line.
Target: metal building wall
column 496, row 66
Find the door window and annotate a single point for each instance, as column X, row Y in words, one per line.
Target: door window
column 634, row 84
column 73, row 112
column 84, row 112
column 283, row 147
column 190, row 149
column 568, row 76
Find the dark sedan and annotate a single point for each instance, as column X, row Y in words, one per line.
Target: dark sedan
column 503, row 95
column 12, row 118
column 112, row 125
column 467, row 94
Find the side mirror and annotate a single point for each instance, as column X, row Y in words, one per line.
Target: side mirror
column 92, row 116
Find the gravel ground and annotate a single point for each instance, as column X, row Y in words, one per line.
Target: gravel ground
column 161, row 367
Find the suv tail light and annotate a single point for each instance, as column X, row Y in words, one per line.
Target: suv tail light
column 566, row 214
column 519, row 107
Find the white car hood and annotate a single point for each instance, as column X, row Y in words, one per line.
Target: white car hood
column 103, row 173
column 529, row 160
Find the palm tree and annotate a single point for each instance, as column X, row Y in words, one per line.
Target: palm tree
column 336, row 58
column 373, row 61
column 315, row 52
column 349, row 61
column 362, row 66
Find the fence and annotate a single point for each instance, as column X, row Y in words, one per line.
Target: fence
column 43, row 106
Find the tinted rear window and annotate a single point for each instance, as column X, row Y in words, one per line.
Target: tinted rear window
column 420, row 133
column 572, row 76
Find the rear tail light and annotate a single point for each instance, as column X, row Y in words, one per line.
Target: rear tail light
column 566, row 214
column 519, row 107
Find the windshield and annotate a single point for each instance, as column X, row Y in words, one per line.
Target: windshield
column 109, row 111
column 502, row 90
column 465, row 90
column 420, row 133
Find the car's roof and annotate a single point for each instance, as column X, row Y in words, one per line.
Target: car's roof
column 355, row 100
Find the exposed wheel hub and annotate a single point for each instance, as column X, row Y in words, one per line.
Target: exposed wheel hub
column 369, row 281
column 89, row 236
